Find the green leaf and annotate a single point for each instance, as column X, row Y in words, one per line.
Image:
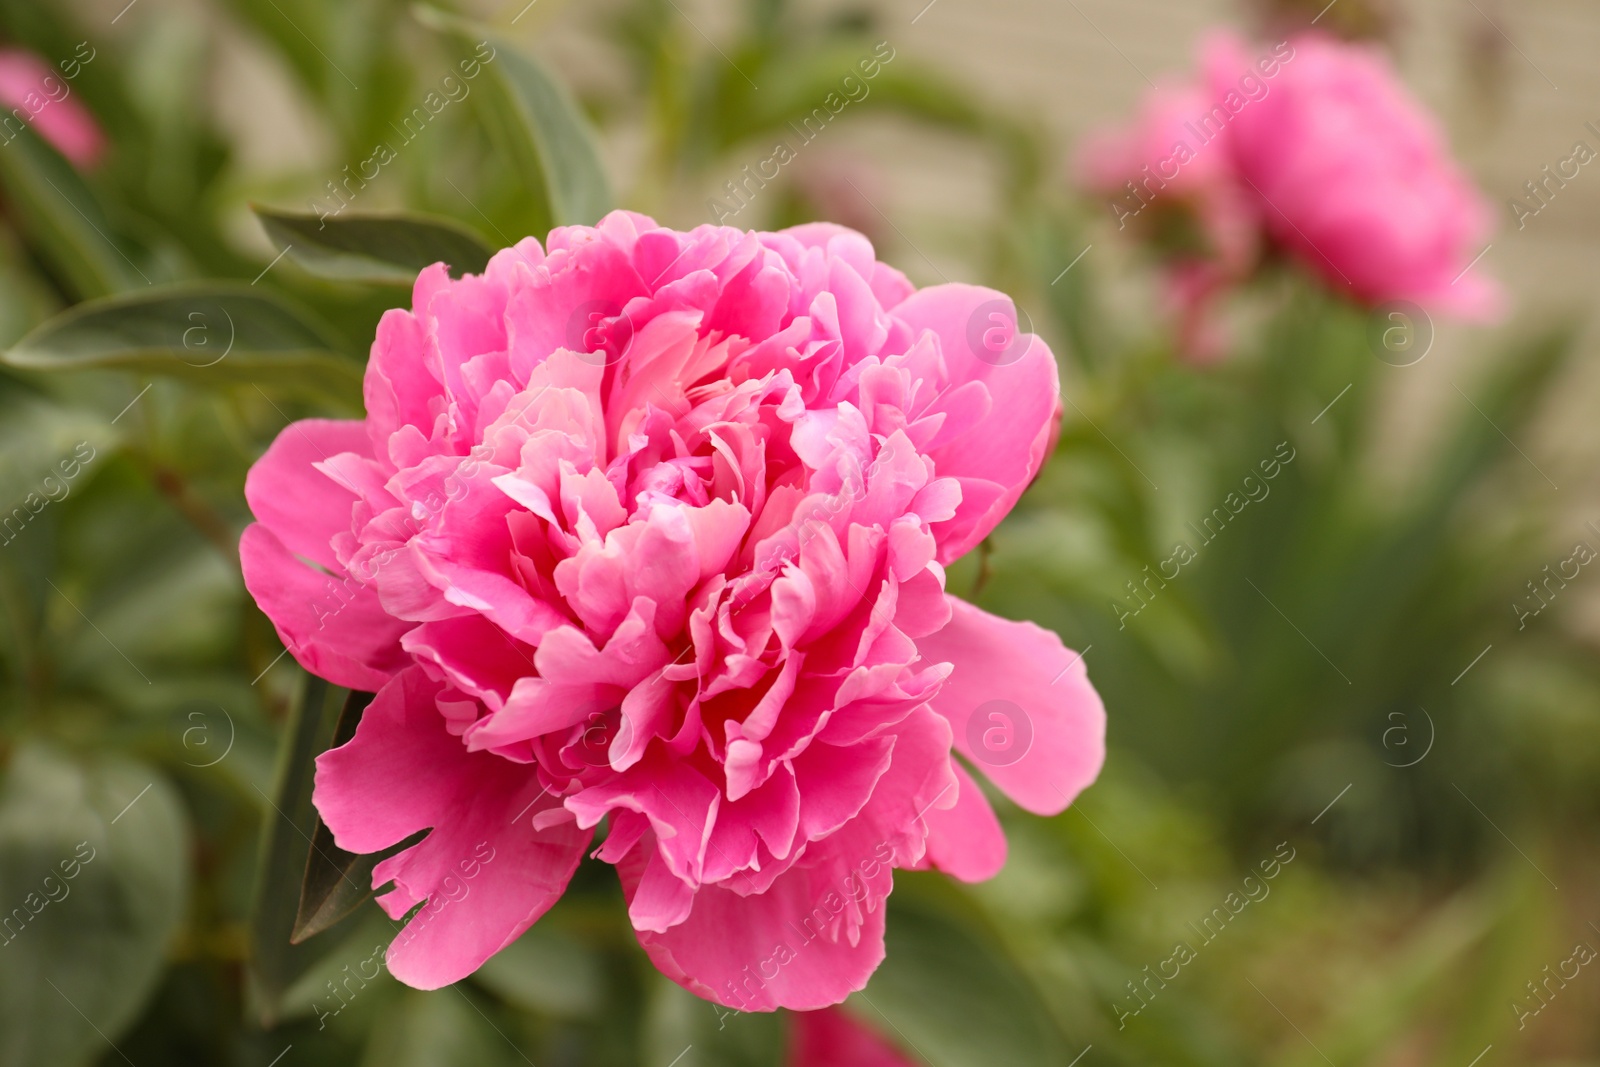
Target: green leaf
column 213, row 333
column 336, row 882
column 684, row 1031
column 534, row 120
column 289, row 821
column 949, row 994
column 94, row 874
column 390, row 249
column 64, row 219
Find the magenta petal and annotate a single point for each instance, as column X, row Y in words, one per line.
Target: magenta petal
column 832, row 1038
column 1007, row 445
column 966, row 841
column 334, row 626
column 763, row 952
column 1038, row 687
column 485, row 872
column 302, row 506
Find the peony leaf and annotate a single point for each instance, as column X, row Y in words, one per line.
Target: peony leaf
column 336, row 882
column 289, row 821
column 947, row 995
column 94, row 874
column 215, row 332
column 64, row 219
column 534, row 120
column 388, row 249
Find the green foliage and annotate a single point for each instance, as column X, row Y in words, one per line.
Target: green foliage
column 374, row 248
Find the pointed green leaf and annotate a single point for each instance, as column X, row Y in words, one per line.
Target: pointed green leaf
column 336, row 882
column 389, row 249
column 210, row 333
column 289, row 820
column 535, row 121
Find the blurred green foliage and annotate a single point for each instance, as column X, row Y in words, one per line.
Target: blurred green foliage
column 1335, row 675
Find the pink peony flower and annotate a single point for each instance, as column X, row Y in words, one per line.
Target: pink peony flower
column 1354, row 177
column 648, row 530
column 1161, row 169
column 831, row 1038
column 33, row 94
column 1163, row 177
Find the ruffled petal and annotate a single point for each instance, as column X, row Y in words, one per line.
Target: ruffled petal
column 997, row 456
column 485, row 871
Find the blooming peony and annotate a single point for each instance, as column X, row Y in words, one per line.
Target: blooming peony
column 31, row 93
column 1355, row 178
column 647, row 530
column 1313, row 148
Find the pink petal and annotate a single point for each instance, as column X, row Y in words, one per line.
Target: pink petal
column 302, row 506
column 486, row 873
column 1007, row 446
column 966, row 841
column 767, row 951
column 332, row 625
column 833, row 1038
column 1022, row 683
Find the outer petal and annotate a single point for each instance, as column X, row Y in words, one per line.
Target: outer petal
column 762, row 952
column 1047, row 698
column 966, row 841
column 1006, row 448
column 486, row 873
column 293, row 499
column 333, row 625
column 831, row 1038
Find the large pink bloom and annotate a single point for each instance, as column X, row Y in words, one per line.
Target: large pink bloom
column 1353, row 176
column 648, row 529
column 33, row 94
